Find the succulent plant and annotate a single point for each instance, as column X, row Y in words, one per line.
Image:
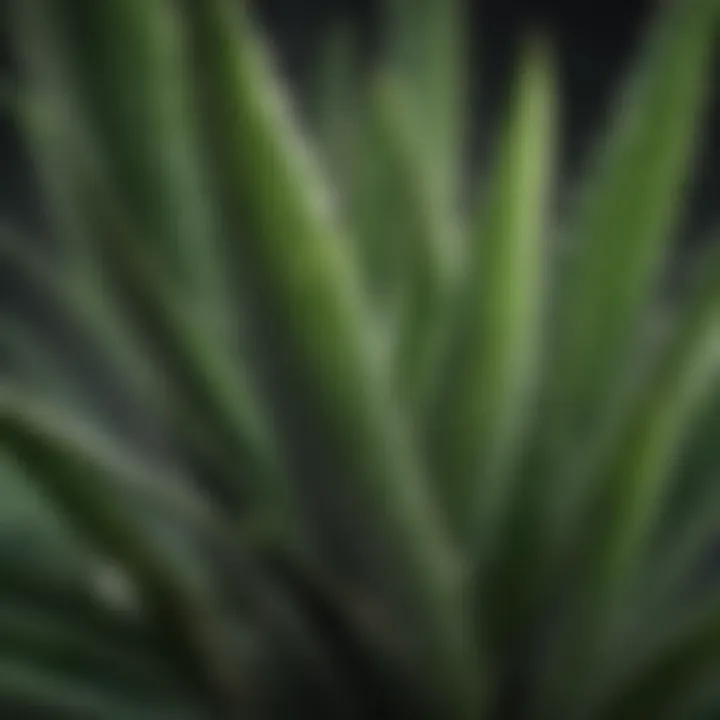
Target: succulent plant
column 296, row 420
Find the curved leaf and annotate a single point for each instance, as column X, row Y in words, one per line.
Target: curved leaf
column 306, row 286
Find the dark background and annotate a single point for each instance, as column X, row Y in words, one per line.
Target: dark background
column 595, row 42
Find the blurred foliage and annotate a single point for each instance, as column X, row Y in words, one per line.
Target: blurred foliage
column 304, row 426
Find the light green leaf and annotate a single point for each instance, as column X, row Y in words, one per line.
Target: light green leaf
column 490, row 388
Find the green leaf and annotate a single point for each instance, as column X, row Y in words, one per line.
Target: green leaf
column 688, row 376
column 307, row 300
column 209, row 386
column 40, row 110
column 335, row 107
column 151, row 485
column 489, row 391
column 421, row 122
column 26, row 358
column 635, row 480
column 629, row 206
column 135, row 108
column 430, row 236
column 683, row 551
column 672, row 673
column 165, row 360
column 110, row 654
column 74, row 481
column 426, row 47
column 80, row 307
column 29, row 691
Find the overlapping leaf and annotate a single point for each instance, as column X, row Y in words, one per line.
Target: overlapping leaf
column 338, row 372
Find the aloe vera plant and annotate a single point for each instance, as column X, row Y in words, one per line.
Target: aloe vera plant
column 333, row 439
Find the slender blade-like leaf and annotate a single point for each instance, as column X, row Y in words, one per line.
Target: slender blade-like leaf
column 635, row 481
column 488, row 393
column 426, row 45
column 630, row 204
column 75, row 484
